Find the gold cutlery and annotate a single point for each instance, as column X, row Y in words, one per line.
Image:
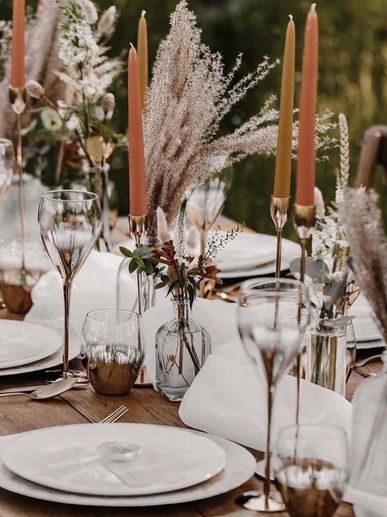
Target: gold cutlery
column 46, row 392
column 114, row 415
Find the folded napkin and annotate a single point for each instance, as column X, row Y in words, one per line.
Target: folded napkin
column 94, row 287
column 228, row 399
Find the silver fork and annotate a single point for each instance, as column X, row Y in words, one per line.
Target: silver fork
column 115, row 415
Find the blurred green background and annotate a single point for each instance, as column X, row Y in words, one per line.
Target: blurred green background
column 352, row 76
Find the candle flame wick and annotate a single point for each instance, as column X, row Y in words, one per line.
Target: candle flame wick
column 290, row 17
column 313, row 7
column 143, row 13
column 131, row 44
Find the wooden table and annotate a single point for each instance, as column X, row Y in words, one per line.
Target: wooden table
column 18, row 414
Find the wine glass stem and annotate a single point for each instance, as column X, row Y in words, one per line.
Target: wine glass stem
column 66, row 298
column 270, row 397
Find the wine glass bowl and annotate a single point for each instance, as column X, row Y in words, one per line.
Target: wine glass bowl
column 205, row 201
column 310, row 464
column 273, row 315
column 70, row 224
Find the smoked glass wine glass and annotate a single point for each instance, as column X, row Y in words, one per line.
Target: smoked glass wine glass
column 70, row 224
column 273, row 315
column 310, row 464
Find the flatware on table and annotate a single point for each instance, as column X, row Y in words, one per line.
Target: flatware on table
column 114, row 415
column 46, row 392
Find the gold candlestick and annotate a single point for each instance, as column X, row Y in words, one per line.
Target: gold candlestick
column 138, row 228
column 17, row 97
column 279, row 211
column 304, row 220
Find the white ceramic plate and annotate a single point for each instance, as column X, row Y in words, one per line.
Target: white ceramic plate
column 67, row 458
column 251, row 245
column 239, row 468
column 48, row 362
column 366, row 328
column 243, row 253
column 23, row 343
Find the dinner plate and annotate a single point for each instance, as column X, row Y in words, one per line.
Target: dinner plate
column 73, row 458
column 365, row 328
column 239, row 467
column 251, row 244
column 48, row 362
column 23, row 343
column 370, row 505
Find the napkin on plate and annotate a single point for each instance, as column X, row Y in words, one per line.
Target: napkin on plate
column 228, row 399
column 94, row 287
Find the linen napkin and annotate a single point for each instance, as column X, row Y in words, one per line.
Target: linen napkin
column 94, row 287
column 228, row 399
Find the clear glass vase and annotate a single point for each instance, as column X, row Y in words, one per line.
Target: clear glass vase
column 182, row 347
column 331, row 351
column 98, row 182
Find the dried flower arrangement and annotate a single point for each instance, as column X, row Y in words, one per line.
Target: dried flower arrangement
column 188, row 97
column 328, row 269
column 364, row 230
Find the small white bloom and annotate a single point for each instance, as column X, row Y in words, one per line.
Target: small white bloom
column 73, row 123
column 319, row 202
column 336, row 277
column 50, row 119
column 99, row 113
column 34, row 89
column 108, row 102
column 89, row 10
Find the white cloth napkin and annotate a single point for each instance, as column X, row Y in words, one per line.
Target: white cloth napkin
column 228, row 399
column 94, row 287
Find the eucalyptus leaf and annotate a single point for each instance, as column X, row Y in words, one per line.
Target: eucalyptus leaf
column 317, row 270
column 336, row 291
column 133, row 266
column 126, row 252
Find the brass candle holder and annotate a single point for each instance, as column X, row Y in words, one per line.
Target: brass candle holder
column 18, row 98
column 279, row 211
column 138, row 228
column 304, row 220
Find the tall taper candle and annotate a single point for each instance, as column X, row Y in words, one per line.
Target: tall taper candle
column 306, row 166
column 142, row 48
column 283, row 161
column 18, row 23
column 136, row 139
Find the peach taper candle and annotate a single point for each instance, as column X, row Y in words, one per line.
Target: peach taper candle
column 306, row 166
column 137, row 205
column 18, row 29
column 142, row 49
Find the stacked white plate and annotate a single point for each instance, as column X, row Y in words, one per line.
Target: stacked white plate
column 253, row 254
column 366, row 330
column 26, row 347
column 121, row 465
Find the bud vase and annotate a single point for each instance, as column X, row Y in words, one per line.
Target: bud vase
column 98, row 179
column 330, row 353
column 182, row 347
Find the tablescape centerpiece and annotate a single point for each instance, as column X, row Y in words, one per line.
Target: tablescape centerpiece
column 273, row 314
column 114, row 353
column 332, row 347
column 70, row 224
column 311, row 465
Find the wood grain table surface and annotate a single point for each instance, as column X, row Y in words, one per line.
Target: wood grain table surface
column 19, row 414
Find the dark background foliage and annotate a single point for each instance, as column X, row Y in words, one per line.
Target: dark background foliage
column 352, row 76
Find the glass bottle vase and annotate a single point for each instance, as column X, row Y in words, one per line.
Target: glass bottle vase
column 331, row 351
column 182, row 347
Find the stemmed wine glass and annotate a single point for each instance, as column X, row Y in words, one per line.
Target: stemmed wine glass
column 272, row 317
column 310, row 463
column 206, row 200
column 7, row 165
column 70, row 222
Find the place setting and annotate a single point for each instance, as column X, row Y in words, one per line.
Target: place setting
column 125, row 192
